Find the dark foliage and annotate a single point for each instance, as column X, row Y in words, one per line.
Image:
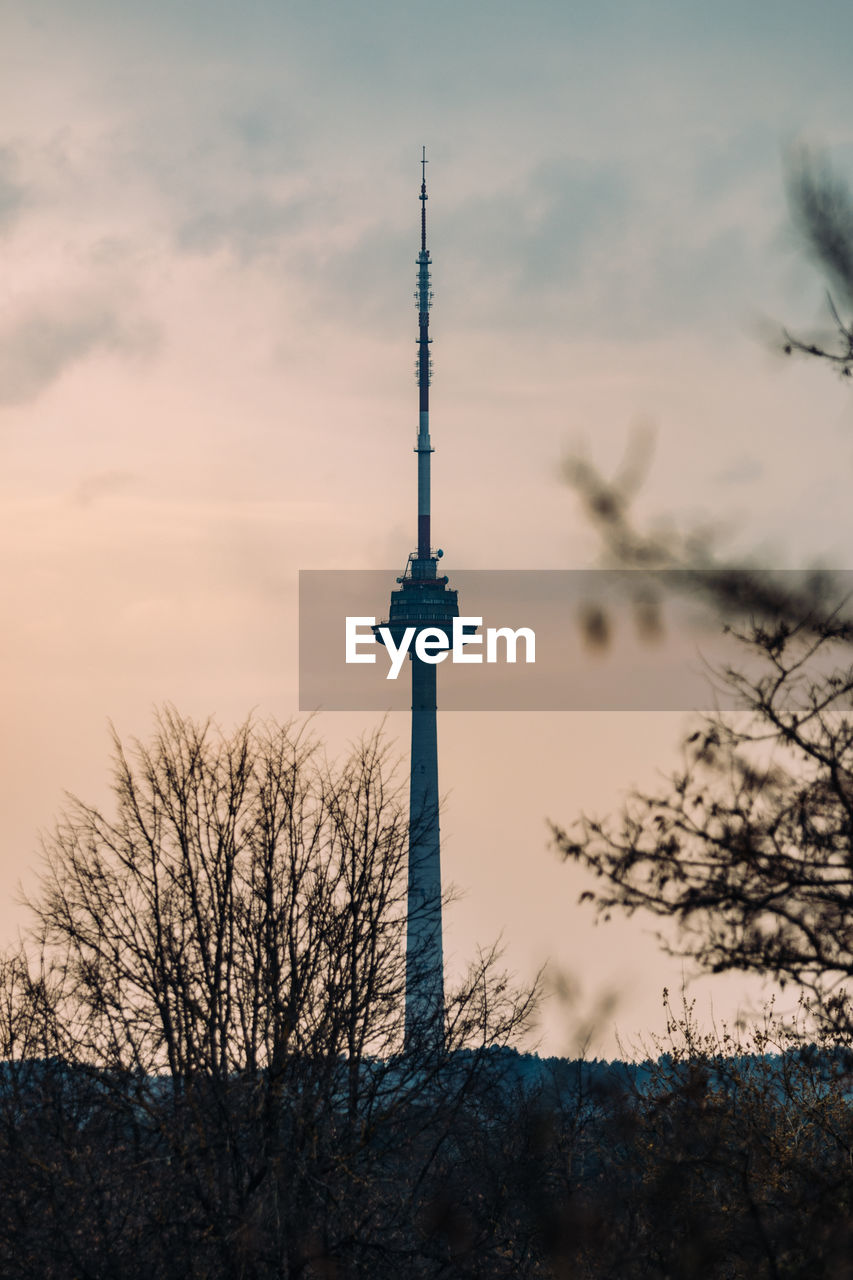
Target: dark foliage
column 822, row 208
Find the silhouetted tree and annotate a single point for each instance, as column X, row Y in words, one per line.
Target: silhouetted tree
column 213, row 1002
column 750, row 848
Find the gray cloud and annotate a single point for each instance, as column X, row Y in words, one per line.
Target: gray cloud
column 518, row 252
column 249, row 229
column 40, row 344
column 572, row 247
column 12, row 194
column 532, row 242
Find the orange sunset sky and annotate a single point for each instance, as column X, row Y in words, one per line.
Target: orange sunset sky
column 208, row 231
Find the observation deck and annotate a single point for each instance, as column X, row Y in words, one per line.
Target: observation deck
column 423, row 599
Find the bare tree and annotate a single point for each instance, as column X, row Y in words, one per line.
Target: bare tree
column 222, row 960
column 749, row 847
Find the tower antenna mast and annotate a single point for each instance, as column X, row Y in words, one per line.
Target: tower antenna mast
column 423, row 298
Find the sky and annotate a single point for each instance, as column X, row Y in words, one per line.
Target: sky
column 208, row 231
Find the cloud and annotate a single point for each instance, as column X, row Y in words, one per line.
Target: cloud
column 598, row 249
column 249, row 229
column 38, row 345
column 12, row 194
column 102, row 484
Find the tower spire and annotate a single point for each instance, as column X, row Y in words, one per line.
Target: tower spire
column 424, row 198
column 423, row 299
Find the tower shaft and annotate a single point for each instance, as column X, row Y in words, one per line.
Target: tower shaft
column 424, row 952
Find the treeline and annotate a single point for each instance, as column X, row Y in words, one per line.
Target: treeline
column 701, row 1164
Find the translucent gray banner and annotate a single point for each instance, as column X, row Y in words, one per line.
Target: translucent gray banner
column 604, row 640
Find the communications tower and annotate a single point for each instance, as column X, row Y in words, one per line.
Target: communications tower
column 424, row 601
